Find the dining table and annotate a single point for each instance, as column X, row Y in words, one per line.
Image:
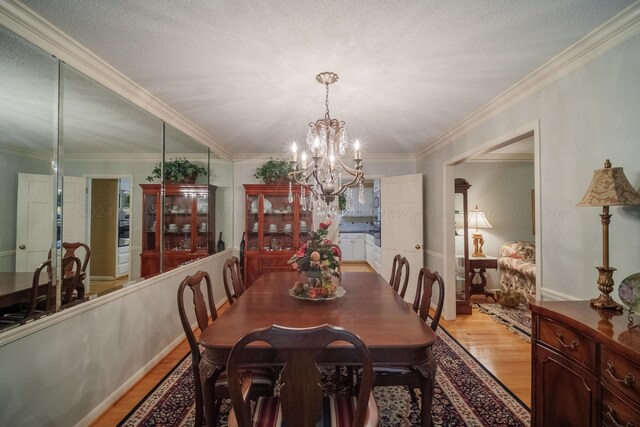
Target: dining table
column 16, row 286
column 394, row 334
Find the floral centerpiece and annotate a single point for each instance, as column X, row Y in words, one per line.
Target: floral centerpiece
column 318, row 260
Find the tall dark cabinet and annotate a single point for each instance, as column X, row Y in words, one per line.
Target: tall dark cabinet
column 182, row 222
column 461, row 214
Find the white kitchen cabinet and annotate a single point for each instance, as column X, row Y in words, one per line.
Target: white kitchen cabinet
column 369, row 249
column 361, row 210
column 352, row 246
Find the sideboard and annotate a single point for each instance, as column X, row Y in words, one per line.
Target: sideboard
column 585, row 366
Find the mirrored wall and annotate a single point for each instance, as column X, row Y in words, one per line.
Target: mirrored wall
column 86, row 173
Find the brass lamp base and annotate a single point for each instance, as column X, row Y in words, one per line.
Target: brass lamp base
column 605, row 285
column 478, row 241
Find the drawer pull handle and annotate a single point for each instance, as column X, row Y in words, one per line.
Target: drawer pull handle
column 612, row 416
column 628, row 379
column 572, row 346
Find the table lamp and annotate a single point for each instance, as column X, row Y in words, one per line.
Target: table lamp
column 477, row 220
column 609, row 187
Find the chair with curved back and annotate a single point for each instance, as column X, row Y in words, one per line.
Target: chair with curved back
column 403, row 376
column 232, row 279
column 70, row 282
column 400, row 274
column 301, row 401
column 221, row 391
column 70, row 251
column 31, row 313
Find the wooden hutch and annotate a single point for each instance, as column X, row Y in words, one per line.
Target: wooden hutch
column 274, row 228
column 184, row 225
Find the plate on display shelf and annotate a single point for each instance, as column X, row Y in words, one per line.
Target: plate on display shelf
column 254, row 206
column 340, row 291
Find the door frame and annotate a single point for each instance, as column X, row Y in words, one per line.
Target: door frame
column 89, row 178
column 448, row 229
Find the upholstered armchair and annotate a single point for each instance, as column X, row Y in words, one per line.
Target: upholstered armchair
column 517, row 264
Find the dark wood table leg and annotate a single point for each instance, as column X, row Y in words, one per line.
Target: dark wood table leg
column 427, row 372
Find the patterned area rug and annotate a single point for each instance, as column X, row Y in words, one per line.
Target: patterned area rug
column 466, row 394
column 517, row 319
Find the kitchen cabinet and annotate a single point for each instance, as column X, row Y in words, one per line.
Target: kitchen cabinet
column 352, row 246
column 369, row 249
column 361, row 210
column 585, row 366
column 182, row 223
column 274, row 228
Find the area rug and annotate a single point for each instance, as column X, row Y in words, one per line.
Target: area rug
column 465, row 394
column 517, row 319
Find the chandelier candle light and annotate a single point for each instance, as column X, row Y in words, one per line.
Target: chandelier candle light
column 477, row 219
column 327, row 142
column 609, row 187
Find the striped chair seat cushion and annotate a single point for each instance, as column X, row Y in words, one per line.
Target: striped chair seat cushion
column 392, row 370
column 260, row 376
column 336, row 411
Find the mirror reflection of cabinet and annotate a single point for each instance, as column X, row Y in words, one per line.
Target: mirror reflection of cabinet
column 463, row 303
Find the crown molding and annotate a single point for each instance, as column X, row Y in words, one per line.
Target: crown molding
column 26, row 23
column 612, row 33
column 502, row 157
column 131, row 157
column 367, row 158
column 15, row 151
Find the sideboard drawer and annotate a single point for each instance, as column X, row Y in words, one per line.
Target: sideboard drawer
column 616, row 412
column 568, row 342
column 621, row 374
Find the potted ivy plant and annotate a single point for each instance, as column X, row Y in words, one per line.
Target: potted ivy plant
column 178, row 171
column 273, row 171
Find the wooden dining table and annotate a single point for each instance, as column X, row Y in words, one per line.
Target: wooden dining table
column 392, row 331
column 16, row 287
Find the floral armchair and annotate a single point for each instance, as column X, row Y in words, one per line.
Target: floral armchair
column 517, row 264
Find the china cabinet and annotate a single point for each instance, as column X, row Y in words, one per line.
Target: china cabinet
column 463, row 296
column 181, row 222
column 274, row 227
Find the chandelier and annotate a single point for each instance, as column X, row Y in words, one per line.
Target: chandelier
column 327, row 176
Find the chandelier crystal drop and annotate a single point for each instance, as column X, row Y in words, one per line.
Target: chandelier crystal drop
column 327, row 142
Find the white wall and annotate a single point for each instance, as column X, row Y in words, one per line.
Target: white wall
column 71, row 370
column 585, row 117
column 503, row 191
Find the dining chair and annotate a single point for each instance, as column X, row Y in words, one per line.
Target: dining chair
column 400, row 274
column 70, row 295
column 301, row 401
column 30, row 312
column 263, row 378
column 70, row 251
column 232, row 279
column 405, row 376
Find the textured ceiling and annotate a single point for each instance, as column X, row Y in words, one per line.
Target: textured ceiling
column 244, row 71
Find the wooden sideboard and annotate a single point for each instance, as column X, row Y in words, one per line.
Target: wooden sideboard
column 585, row 366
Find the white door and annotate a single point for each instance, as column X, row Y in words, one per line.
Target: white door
column 401, row 225
column 74, row 209
column 34, row 225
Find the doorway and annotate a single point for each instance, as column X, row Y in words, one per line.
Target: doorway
column 110, row 232
column 490, row 150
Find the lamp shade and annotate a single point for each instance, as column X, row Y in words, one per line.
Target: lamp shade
column 609, row 187
column 477, row 219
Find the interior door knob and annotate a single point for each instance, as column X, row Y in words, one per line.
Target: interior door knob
column 418, row 247
column 22, row 247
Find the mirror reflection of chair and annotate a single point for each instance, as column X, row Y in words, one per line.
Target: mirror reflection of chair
column 263, row 378
column 400, row 274
column 37, row 297
column 232, row 279
column 301, row 402
column 69, row 295
column 70, row 251
column 404, row 376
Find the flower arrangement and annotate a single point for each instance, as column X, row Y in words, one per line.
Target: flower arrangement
column 318, row 255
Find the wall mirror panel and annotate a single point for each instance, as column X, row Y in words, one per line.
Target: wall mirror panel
column 28, row 142
column 110, row 147
column 78, row 157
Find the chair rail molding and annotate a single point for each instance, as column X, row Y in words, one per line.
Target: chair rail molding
column 612, row 33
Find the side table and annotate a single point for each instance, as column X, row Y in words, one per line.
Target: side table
column 481, row 264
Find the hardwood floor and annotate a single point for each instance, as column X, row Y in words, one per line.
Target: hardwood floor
column 502, row 352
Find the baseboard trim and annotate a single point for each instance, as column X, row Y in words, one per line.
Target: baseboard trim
column 557, row 296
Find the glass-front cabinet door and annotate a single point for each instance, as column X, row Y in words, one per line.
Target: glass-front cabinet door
column 279, row 221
